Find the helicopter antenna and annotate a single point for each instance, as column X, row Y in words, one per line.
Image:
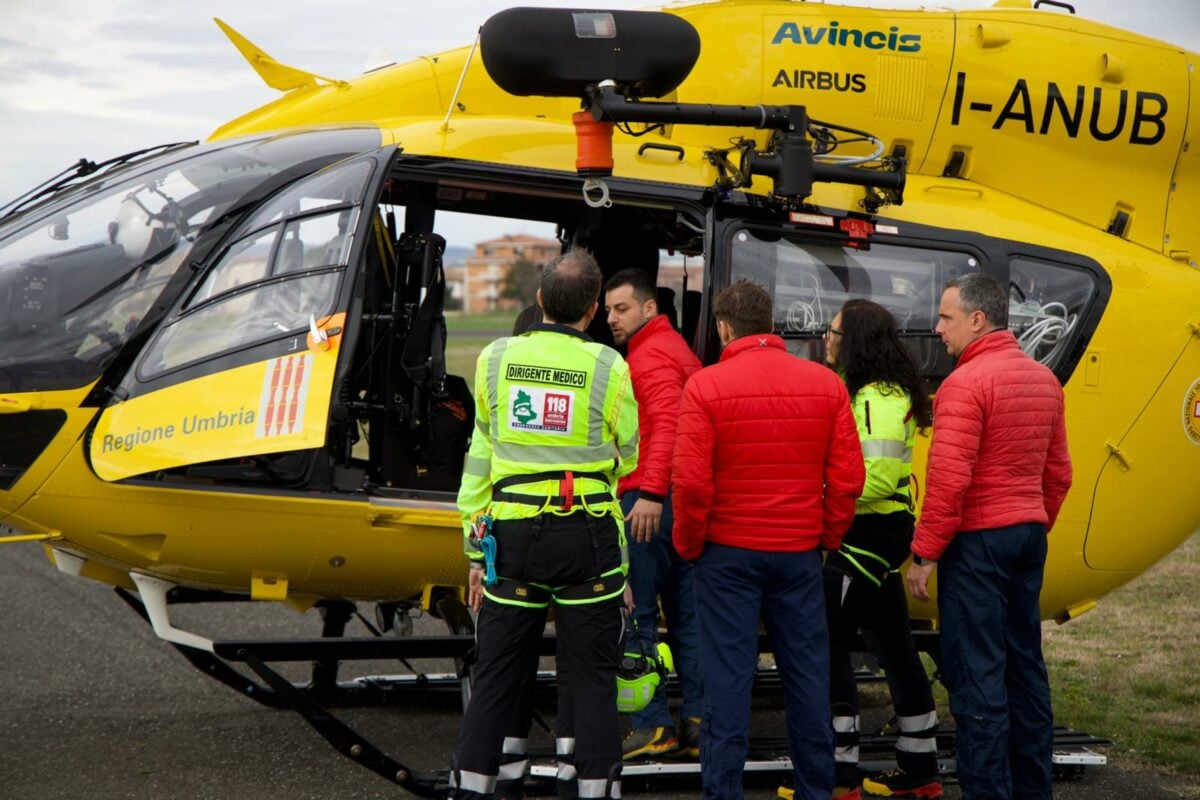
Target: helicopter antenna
column 461, row 80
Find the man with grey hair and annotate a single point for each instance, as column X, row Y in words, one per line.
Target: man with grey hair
column 998, row 473
column 556, row 425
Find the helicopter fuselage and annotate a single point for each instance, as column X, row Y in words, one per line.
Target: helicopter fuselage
column 211, row 373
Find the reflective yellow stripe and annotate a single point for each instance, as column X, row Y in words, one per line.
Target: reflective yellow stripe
column 542, row 458
column 629, row 450
column 887, row 448
column 604, row 363
column 587, row 600
column 866, row 573
column 477, row 466
column 493, row 373
column 868, row 553
column 504, row 601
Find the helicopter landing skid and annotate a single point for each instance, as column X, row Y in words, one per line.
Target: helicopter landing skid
column 1072, row 753
column 767, row 761
column 213, row 658
column 345, row 740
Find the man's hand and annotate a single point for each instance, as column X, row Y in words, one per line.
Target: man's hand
column 644, row 519
column 917, row 579
column 475, row 589
column 629, row 606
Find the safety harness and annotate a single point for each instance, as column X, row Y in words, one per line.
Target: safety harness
column 565, row 500
column 521, row 591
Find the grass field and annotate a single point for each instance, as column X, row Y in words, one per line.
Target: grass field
column 493, row 321
column 461, row 353
column 470, row 333
column 1128, row 670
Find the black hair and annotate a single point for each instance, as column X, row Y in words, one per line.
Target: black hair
column 746, row 307
column 570, row 284
column 870, row 351
column 638, row 279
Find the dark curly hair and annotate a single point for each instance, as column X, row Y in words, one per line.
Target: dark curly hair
column 870, row 351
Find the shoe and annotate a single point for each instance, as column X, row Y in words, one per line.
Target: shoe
column 898, row 783
column 839, row 793
column 649, row 743
column 689, row 737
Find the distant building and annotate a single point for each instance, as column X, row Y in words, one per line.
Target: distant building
column 476, row 281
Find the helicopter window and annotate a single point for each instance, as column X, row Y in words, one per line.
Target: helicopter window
column 319, row 242
column 245, row 262
column 810, row 281
column 1045, row 304
column 262, row 313
column 307, row 243
column 341, row 184
column 80, row 274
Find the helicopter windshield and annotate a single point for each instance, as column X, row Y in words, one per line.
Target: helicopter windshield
column 80, row 276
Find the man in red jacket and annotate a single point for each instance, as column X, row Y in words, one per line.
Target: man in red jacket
column 767, row 467
column 998, row 473
column 660, row 362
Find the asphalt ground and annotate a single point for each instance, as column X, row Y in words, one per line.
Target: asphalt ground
column 93, row 705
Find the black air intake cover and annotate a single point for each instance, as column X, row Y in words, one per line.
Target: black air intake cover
column 23, row 437
column 558, row 52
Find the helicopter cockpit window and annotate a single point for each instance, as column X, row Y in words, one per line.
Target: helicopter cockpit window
column 75, row 290
column 340, row 185
column 809, row 283
column 1045, row 304
column 304, row 244
column 312, row 241
column 250, row 294
column 80, row 273
column 264, row 312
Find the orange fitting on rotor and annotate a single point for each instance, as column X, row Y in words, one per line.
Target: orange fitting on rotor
column 594, row 153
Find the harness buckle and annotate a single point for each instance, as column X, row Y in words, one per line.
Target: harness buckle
column 566, row 489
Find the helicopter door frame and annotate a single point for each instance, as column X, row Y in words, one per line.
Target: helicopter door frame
column 236, row 384
column 419, row 184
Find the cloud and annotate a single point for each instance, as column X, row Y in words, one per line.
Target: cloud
column 101, row 77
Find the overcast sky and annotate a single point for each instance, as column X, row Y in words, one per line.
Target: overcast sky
column 96, row 78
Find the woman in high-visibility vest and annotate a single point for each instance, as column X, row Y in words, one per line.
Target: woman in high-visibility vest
column 862, row 585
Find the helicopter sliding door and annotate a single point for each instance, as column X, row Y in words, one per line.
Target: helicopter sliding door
column 244, row 365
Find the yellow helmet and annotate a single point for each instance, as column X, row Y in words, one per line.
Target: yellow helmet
column 639, row 674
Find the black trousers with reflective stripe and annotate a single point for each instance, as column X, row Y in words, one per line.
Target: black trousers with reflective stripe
column 555, row 551
column 882, row 613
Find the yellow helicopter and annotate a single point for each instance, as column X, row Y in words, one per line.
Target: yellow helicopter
column 223, row 366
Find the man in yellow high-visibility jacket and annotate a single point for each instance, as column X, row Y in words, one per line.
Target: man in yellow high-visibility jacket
column 555, row 426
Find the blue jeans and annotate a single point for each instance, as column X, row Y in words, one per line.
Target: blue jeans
column 991, row 641
column 735, row 588
column 656, row 571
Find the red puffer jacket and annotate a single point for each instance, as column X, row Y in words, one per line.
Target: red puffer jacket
column 999, row 454
column 767, row 455
column 660, row 362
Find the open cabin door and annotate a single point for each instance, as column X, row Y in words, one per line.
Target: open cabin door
column 244, row 365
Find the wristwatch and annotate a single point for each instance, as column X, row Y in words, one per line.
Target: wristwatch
column 920, row 562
